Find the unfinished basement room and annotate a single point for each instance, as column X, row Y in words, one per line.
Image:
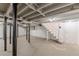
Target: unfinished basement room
column 39, row 29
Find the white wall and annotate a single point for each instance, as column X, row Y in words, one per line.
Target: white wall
column 22, row 31
column 68, row 33
column 39, row 32
column 1, row 30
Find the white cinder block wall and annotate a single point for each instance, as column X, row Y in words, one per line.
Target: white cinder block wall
column 21, row 31
column 39, row 32
column 68, row 33
column 1, row 30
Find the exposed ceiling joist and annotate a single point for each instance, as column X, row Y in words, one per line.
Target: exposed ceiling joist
column 45, row 6
column 52, row 10
column 32, row 7
column 59, row 7
column 22, row 10
column 28, row 14
column 33, row 16
column 37, row 9
column 9, row 10
column 41, row 13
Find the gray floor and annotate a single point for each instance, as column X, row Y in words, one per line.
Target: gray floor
column 40, row 47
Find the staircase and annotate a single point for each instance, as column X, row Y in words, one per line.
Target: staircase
column 53, row 28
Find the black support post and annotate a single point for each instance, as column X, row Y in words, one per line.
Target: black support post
column 10, row 34
column 14, row 52
column 26, row 31
column 29, row 33
column 17, row 30
column 5, row 33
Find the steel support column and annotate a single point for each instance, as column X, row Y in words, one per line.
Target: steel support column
column 47, row 35
column 29, row 33
column 5, row 33
column 14, row 52
column 10, row 34
column 26, row 31
column 17, row 30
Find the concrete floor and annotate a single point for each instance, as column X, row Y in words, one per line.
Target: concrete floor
column 40, row 47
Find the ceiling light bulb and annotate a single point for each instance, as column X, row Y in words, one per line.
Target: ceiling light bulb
column 50, row 20
column 54, row 18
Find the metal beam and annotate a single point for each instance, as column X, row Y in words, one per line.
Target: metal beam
column 5, row 33
column 14, row 52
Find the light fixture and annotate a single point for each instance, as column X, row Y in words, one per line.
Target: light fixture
column 70, row 21
column 52, row 19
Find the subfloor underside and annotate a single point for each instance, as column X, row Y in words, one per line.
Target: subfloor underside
column 39, row 47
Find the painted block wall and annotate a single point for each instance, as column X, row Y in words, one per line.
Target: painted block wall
column 39, row 32
column 68, row 33
column 1, row 30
